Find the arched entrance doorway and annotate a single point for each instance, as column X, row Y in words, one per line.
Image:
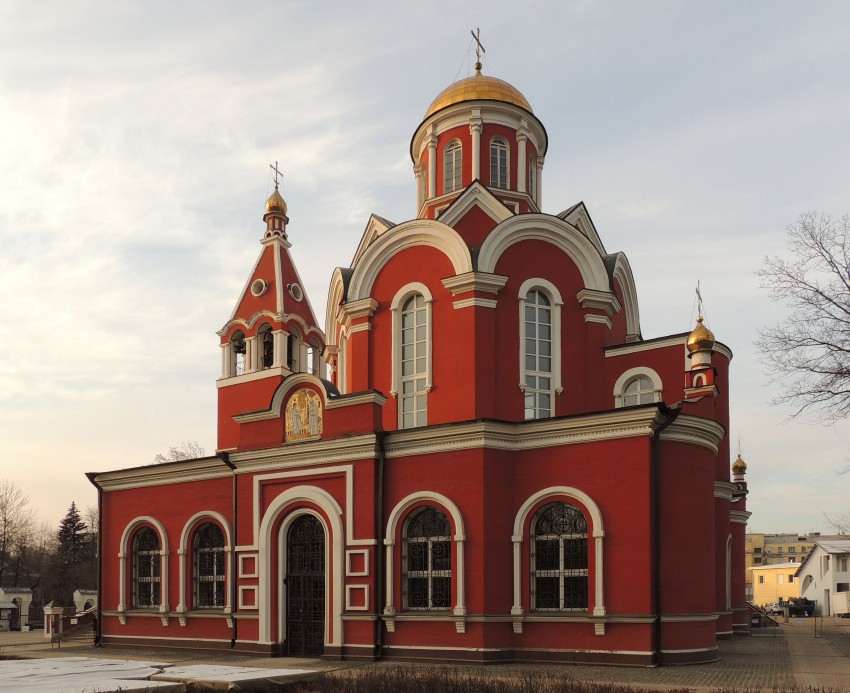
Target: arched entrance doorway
column 305, row 587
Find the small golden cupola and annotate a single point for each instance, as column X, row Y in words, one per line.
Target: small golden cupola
column 739, row 468
column 275, row 215
column 699, row 378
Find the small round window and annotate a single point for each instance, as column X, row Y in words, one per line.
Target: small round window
column 258, row 287
column 296, row 292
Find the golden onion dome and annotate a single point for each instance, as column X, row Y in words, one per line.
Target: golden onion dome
column 476, row 88
column 275, row 203
column 701, row 339
column 739, row 466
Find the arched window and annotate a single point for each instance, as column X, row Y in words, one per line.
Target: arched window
column 293, row 346
column 413, row 397
column 538, row 355
column 209, row 569
column 146, row 569
column 640, row 385
column 639, row 390
column 498, row 163
column 427, row 561
column 452, row 159
column 237, row 353
column 266, row 339
column 559, row 559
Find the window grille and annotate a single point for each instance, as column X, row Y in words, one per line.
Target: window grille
column 427, row 561
column 146, row 569
column 209, row 567
column 559, row 559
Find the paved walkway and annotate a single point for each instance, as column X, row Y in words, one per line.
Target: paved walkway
column 796, row 655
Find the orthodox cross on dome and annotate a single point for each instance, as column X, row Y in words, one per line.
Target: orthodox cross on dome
column 479, row 48
column 699, row 300
column 277, row 174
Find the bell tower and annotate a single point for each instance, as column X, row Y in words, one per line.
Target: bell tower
column 272, row 332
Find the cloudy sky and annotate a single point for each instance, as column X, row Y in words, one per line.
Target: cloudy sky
column 135, row 141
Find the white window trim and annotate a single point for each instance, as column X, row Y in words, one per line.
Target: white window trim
column 507, row 182
column 553, row 494
column 398, row 301
column 185, row 557
column 399, row 513
column 628, row 375
column 126, row 551
column 555, row 298
column 459, row 154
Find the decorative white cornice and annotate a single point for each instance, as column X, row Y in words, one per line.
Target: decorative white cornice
column 475, row 281
column 364, row 308
column 167, row 473
column 279, row 372
column 360, row 327
column 480, row 302
column 357, row 399
column 724, row 489
column 600, row 300
column 601, row 319
column 637, row 347
column 695, row 430
column 526, row 435
column 307, row 453
column 739, row 517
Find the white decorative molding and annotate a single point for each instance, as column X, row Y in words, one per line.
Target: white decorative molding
column 248, row 574
column 695, row 430
column 364, row 308
column 185, row 554
column 599, row 300
column 459, row 537
column 370, row 397
column 475, row 281
column 475, row 302
column 349, row 602
column 244, row 603
column 476, row 195
column 601, row 319
column 349, row 571
column 724, row 490
column 169, row 473
column 125, row 551
column 739, row 517
column 307, row 453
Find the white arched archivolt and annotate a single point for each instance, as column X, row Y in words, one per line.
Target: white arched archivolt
column 184, row 554
column 548, row 229
column 554, row 296
column 334, row 553
column 624, row 277
column 126, row 550
column 627, row 376
column 556, row 493
column 399, row 512
column 418, row 232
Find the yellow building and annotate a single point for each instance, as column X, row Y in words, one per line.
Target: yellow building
column 774, row 583
column 772, row 549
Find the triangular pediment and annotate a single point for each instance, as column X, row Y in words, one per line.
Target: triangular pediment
column 579, row 217
column 374, row 228
column 475, row 195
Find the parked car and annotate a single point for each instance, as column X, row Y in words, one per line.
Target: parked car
column 776, row 609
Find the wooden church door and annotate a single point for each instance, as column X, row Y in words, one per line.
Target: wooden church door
column 305, row 588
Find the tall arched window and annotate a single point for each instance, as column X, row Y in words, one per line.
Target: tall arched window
column 414, row 362
column 427, row 561
column 452, row 159
column 209, row 569
column 538, row 355
column 639, row 390
column 532, row 176
column 146, row 569
column 559, row 559
column 498, row 163
column 266, row 346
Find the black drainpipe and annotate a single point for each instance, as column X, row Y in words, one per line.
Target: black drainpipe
column 225, row 457
column 655, row 505
column 379, row 547
column 98, row 620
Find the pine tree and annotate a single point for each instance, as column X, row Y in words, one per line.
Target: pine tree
column 73, row 543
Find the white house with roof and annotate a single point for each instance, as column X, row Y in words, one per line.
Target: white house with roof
column 824, row 573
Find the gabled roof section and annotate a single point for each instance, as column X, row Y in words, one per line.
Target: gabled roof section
column 475, row 195
column 578, row 216
column 374, row 228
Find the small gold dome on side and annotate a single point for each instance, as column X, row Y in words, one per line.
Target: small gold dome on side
column 476, row 88
column 275, row 203
column 701, row 339
column 739, row 466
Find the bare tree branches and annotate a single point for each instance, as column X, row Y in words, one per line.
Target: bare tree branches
column 16, row 520
column 187, row 450
column 810, row 351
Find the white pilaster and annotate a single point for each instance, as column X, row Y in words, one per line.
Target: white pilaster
column 475, row 130
column 432, row 166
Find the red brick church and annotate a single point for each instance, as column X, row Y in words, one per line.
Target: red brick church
column 478, row 456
